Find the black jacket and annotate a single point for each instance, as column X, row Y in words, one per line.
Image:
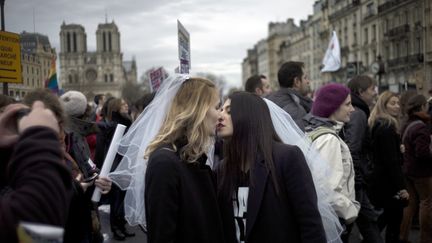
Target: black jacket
column 356, row 135
column 386, row 177
column 104, row 137
column 180, row 197
column 292, row 216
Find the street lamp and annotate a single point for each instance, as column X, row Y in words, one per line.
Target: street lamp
column 5, row 84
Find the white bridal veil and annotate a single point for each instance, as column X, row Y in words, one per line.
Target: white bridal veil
column 130, row 174
column 290, row 133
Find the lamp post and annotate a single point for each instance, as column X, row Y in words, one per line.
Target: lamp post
column 5, row 84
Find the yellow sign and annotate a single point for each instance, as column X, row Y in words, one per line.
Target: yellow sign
column 10, row 58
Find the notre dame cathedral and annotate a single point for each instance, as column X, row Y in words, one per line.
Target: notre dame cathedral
column 100, row 72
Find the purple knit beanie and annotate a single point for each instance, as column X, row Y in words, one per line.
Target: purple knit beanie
column 328, row 99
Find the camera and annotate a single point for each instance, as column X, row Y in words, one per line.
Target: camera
column 20, row 114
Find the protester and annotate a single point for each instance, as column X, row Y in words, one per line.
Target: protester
column 176, row 132
column 258, row 167
column 117, row 113
column 331, row 109
column 141, row 104
column 292, row 95
column 417, row 167
column 356, row 136
column 258, row 84
column 79, row 226
column 38, row 183
column 77, row 127
column 387, row 187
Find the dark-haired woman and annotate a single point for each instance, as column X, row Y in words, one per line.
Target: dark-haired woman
column 116, row 112
column 266, row 192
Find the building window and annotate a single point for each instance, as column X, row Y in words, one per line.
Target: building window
column 70, row 79
column 397, row 50
column 33, row 83
column 366, row 35
column 366, row 59
column 419, row 45
column 373, row 32
column 68, row 42
column 74, row 42
column 106, row 78
column 407, row 48
column 111, row 78
column 11, row 93
column 104, row 41
column 109, row 42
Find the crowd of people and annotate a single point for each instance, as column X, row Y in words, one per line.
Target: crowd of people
column 255, row 166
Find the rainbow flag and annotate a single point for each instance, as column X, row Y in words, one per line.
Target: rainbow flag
column 52, row 83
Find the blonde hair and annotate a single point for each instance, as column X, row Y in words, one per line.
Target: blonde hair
column 380, row 111
column 186, row 117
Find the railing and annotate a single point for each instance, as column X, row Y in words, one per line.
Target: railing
column 390, row 4
column 406, row 60
column 398, row 31
column 343, row 11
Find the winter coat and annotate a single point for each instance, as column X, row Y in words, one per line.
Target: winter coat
column 180, row 199
column 386, row 177
column 334, row 150
column 356, row 136
column 104, row 137
column 293, row 103
column 418, row 154
column 291, row 216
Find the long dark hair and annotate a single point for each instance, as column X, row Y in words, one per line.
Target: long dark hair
column 253, row 133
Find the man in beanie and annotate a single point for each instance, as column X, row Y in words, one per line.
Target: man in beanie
column 330, row 110
column 356, row 136
column 292, row 95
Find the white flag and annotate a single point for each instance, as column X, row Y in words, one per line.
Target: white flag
column 332, row 57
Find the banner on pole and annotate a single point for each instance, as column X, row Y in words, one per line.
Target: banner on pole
column 183, row 48
column 332, row 57
column 156, row 77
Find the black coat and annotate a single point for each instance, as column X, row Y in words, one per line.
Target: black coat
column 386, row 178
column 292, row 216
column 356, row 135
column 181, row 204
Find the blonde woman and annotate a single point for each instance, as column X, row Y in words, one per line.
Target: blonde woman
column 180, row 194
column 387, row 188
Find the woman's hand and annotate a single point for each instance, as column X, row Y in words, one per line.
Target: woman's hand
column 104, row 184
column 403, row 194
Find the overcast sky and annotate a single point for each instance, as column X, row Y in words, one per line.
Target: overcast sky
column 221, row 31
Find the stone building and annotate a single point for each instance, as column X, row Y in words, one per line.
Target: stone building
column 389, row 40
column 101, row 71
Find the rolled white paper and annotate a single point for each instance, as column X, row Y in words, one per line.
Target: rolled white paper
column 109, row 159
